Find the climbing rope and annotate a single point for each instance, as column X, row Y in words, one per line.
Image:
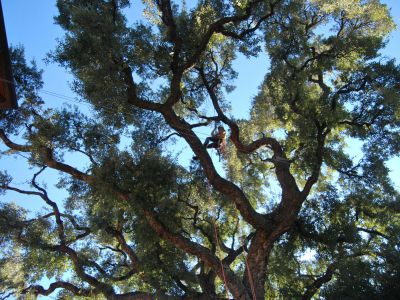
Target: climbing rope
column 220, row 261
column 253, row 291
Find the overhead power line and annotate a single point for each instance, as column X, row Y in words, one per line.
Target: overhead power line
column 77, row 101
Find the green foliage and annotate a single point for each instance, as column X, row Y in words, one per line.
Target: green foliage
column 136, row 220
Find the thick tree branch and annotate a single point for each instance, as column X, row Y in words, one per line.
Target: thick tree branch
column 241, row 35
column 373, row 232
column 220, row 184
column 168, row 19
column 322, row 132
column 316, row 285
column 125, row 247
column 40, row 290
column 12, row 145
column 132, row 93
column 51, row 162
column 218, row 26
column 48, row 158
column 282, row 164
column 79, row 264
column 201, row 252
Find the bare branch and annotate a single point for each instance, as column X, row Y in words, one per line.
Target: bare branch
column 165, row 138
column 5, row 295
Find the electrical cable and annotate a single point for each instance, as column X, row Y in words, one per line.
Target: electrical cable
column 108, row 109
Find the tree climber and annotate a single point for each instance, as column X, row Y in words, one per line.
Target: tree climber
column 217, row 140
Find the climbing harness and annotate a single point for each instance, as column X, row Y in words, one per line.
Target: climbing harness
column 217, row 140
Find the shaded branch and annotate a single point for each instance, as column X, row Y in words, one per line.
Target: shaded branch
column 282, row 164
column 235, row 133
column 167, row 137
column 40, row 290
column 168, row 19
column 76, row 226
column 12, row 145
column 235, row 286
column 141, row 296
column 373, row 232
column 218, row 26
column 48, row 157
column 241, row 35
column 319, row 154
column 222, row 185
column 317, row 283
column 79, row 264
column 132, row 93
column 125, row 247
column 5, row 295
column 54, row 164
column 233, row 254
column 209, row 119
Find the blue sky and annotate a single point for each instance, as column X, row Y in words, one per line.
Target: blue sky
column 30, row 23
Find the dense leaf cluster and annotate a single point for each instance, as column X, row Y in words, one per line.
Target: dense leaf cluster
column 287, row 212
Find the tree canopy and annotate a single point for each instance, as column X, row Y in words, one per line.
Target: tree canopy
column 288, row 212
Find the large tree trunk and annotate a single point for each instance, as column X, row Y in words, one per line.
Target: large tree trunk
column 256, row 264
